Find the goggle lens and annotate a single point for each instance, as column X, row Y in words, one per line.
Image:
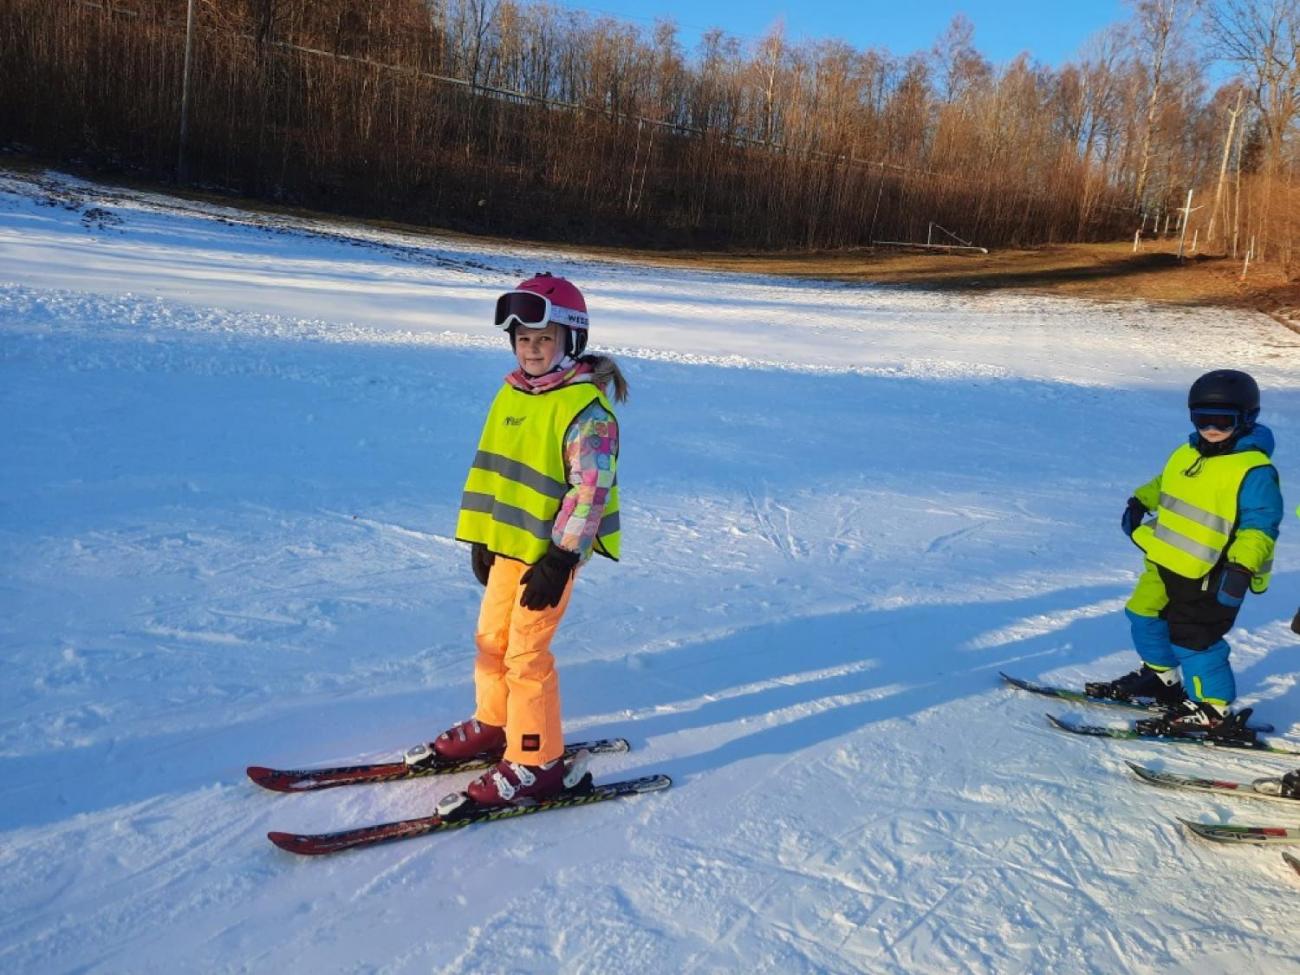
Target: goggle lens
column 1215, row 420
column 526, row 308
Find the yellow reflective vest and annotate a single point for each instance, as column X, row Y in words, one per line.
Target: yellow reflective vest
column 518, row 479
column 1197, row 513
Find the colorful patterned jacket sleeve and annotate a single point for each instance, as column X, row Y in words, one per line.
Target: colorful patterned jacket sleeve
column 590, row 450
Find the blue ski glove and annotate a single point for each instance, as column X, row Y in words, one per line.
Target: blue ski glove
column 480, row 560
column 1133, row 515
column 1233, row 584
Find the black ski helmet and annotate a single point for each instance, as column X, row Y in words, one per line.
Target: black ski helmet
column 1226, row 388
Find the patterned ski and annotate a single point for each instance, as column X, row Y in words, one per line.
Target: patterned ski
column 583, row 794
column 1256, row 835
column 1172, row 780
column 1275, row 745
column 1078, row 697
column 309, row 780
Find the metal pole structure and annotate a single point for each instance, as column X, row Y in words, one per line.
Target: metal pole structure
column 182, row 175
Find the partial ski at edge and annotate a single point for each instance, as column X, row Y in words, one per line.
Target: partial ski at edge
column 1292, row 860
column 1075, row 696
column 1251, row 835
column 585, row 794
column 1191, row 783
column 312, row 779
column 1131, row 734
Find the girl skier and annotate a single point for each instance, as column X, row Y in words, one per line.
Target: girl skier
column 540, row 499
column 1218, row 507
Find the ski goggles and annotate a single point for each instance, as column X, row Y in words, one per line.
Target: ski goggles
column 1214, row 418
column 532, row 310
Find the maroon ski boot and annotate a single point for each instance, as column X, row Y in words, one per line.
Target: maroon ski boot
column 512, row 784
column 463, row 740
column 470, row 739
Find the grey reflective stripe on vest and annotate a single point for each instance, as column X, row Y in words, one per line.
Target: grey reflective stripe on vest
column 520, row 473
column 507, row 514
column 1184, row 544
column 1265, row 569
column 1191, row 512
column 608, row 524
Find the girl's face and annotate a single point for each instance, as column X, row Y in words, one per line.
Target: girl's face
column 537, row 348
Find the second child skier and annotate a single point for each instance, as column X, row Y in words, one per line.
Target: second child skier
column 1218, row 506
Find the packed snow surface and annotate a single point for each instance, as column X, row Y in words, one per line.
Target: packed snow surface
column 231, row 456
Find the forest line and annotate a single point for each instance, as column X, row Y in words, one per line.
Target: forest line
column 532, row 120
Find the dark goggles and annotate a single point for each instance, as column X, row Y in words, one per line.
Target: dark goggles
column 523, row 308
column 1215, row 419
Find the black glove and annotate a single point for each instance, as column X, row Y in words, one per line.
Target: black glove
column 544, row 582
column 1234, row 584
column 1133, row 515
column 1295, row 623
column 480, row 560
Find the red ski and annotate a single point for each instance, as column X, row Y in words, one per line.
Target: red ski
column 308, row 780
column 465, row 813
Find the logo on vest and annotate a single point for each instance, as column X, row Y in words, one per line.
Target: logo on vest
column 515, row 421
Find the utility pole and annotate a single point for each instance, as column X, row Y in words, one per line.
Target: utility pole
column 1223, row 166
column 182, row 174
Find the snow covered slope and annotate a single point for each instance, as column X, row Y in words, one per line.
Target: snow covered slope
column 231, row 454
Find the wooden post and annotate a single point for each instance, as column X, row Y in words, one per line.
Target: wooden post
column 1137, row 236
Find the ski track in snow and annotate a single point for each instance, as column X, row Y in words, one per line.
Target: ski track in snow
column 233, row 451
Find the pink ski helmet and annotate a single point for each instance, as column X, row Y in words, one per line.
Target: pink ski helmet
column 544, row 299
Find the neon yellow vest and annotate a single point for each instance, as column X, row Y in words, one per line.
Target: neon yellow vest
column 1198, row 512
column 518, row 478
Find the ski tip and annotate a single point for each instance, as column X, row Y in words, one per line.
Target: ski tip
column 1059, row 722
column 291, row 843
column 1228, row 833
column 1292, row 860
column 267, row 778
column 1197, row 829
column 1141, row 771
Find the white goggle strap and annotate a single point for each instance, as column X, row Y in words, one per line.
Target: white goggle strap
column 568, row 317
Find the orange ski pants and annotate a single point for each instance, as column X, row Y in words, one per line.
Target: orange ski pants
column 515, row 685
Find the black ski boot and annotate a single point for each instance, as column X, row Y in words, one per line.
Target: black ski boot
column 1142, row 683
column 1288, row 786
column 1291, row 784
column 1201, row 719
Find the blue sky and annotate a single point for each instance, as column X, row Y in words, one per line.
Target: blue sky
column 1050, row 31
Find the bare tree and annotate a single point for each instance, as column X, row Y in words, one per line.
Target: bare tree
column 1157, row 23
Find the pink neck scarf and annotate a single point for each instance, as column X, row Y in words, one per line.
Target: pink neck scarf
column 562, row 375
